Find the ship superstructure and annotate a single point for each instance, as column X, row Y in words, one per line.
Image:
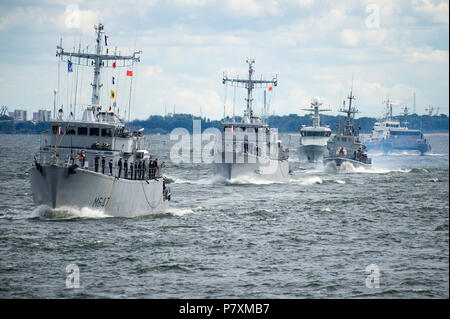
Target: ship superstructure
column 313, row 139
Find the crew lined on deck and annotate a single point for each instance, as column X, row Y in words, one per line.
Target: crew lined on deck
column 119, row 164
column 132, row 171
column 103, row 165
column 96, row 162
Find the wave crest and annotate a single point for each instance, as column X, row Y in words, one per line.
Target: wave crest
column 67, row 213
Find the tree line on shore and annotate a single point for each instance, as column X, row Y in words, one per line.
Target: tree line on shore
column 285, row 124
column 290, row 123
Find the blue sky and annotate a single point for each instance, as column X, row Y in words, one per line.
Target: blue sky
column 391, row 48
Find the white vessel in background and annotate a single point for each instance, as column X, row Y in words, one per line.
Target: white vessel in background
column 250, row 148
column 313, row 139
column 388, row 135
column 95, row 162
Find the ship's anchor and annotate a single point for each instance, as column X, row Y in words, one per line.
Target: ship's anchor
column 72, row 169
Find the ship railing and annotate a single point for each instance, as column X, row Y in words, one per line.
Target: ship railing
column 154, row 173
column 141, row 174
column 283, row 156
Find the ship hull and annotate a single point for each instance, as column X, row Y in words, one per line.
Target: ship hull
column 387, row 146
column 272, row 170
column 312, row 153
column 339, row 162
column 62, row 186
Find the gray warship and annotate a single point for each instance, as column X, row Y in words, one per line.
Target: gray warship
column 250, row 148
column 95, row 161
column 313, row 139
column 346, row 146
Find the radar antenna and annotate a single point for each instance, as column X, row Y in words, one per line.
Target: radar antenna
column 315, row 107
column 249, row 84
column 348, row 126
column 97, row 60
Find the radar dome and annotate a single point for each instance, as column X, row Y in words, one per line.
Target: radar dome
column 316, row 100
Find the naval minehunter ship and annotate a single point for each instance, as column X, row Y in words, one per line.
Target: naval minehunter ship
column 250, row 148
column 346, row 145
column 388, row 135
column 95, row 162
column 313, row 139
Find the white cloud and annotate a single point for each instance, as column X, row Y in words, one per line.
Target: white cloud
column 193, row 2
column 429, row 56
column 14, row 19
column 438, row 12
column 349, row 37
column 313, row 46
column 75, row 19
column 152, row 71
column 253, row 8
column 305, row 3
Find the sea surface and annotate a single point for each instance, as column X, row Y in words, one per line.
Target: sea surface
column 311, row 237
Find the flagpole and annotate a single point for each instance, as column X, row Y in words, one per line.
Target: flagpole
column 67, row 86
column 129, row 101
column 59, row 80
column 97, row 61
column 76, row 83
column 56, row 143
column 116, row 85
column 131, row 84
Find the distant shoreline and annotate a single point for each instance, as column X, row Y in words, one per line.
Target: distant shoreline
column 367, row 134
column 286, row 124
column 435, row 134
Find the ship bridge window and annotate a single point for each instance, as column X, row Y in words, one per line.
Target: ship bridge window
column 94, row 131
column 408, row 133
column 106, row 132
column 118, row 132
column 71, row 131
column 82, row 131
column 313, row 133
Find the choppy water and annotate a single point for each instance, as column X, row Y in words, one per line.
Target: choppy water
column 310, row 238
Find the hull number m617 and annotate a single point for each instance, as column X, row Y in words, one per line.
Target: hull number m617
column 100, row 201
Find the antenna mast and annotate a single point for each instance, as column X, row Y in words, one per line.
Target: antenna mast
column 348, row 127
column 250, row 85
column 388, row 108
column 97, row 60
column 315, row 107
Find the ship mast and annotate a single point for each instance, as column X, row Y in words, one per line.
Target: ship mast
column 348, row 127
column 97, row 61
column 405, row 113
column 249, row 84
column 315, row 104
column 388, row 109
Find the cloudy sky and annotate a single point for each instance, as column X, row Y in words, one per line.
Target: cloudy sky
column 390, row 48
